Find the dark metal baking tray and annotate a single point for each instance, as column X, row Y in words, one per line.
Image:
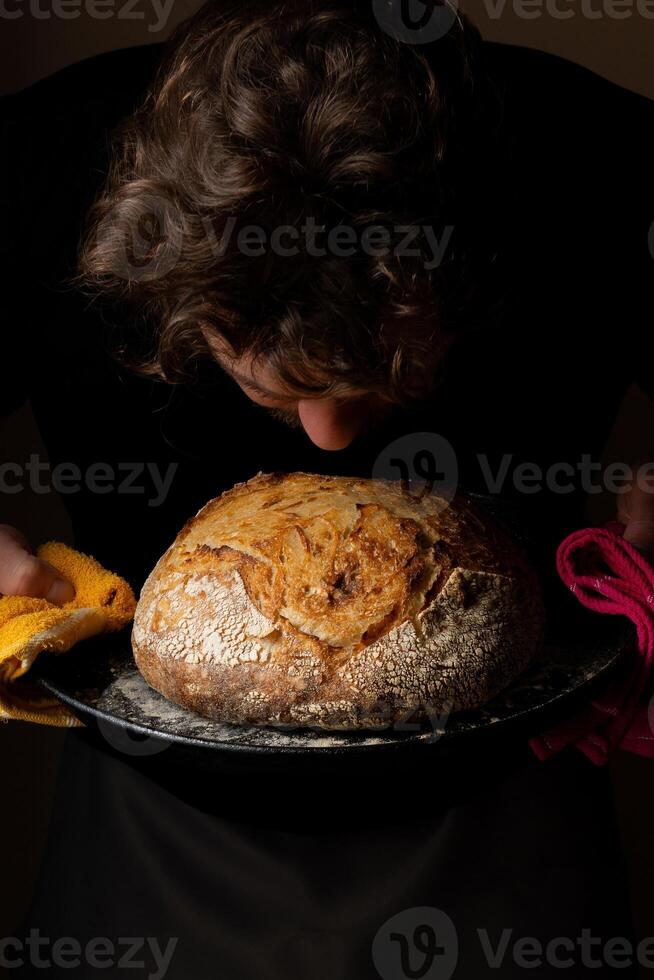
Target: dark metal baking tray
column 100, row 683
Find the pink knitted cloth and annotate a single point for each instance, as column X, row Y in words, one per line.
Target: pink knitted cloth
column 608, row 575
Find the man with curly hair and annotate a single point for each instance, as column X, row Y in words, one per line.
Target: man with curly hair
column 292, row 208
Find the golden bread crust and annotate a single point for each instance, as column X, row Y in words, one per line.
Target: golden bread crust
column 336, row 603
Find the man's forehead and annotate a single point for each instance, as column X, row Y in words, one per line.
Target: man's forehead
column 255, row 374
column 243, row 368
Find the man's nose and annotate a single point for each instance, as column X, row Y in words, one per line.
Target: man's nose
column 329, row 424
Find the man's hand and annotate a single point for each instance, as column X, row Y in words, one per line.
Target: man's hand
column 636, row 509
column 21, row 573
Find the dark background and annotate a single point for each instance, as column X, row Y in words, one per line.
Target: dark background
column 35, row 45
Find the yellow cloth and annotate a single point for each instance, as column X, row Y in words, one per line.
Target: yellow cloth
column 103, row 603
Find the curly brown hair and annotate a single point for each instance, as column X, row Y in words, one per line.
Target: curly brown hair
column 267, row 114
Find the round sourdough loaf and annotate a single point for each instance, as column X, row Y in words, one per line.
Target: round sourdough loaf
column 337, row 603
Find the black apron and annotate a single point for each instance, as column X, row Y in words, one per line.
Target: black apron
column 350, row 876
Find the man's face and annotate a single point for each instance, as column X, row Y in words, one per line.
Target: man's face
column 330, row 423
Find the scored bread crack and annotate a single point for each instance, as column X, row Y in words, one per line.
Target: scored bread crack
column 341, row 602
column 329, row 573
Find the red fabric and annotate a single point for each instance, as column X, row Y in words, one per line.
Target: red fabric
column 608, row 575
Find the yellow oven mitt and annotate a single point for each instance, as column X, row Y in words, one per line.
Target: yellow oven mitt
column 103, row 603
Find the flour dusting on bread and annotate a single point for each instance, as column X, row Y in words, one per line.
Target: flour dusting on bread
column 337, row 603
